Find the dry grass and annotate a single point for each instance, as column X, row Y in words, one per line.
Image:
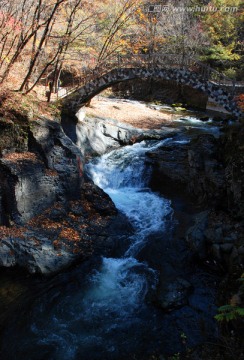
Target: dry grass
column 19, row 107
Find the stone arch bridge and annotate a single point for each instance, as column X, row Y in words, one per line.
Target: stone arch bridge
column 185, row 71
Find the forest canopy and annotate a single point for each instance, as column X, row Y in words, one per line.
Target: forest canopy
column 40, row 39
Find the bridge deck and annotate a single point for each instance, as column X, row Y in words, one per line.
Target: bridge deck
column 185, row 70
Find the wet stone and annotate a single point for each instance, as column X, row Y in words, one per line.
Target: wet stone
column 174, row 294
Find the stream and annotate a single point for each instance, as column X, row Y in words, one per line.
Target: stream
column 111, row 308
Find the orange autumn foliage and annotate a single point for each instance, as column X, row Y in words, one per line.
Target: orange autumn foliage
column 240, row 101
column 70, row 234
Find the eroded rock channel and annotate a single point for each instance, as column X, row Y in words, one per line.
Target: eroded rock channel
column 147, row 226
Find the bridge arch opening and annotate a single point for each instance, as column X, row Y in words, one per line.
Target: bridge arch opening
column 165, row 91
column 182, row 77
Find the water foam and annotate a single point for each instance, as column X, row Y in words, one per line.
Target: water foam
column 123, row 175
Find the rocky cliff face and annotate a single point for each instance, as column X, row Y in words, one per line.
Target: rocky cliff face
column 225, row 223
column 194, row 166
column 50, row 215
column 48, row 171
column 211, row 172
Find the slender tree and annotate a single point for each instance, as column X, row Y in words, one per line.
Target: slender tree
column 46, row 31
column 26, row 16
column 72, row 24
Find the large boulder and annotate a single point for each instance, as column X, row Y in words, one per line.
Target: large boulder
column 96, row 136
column 173, row 294
column 33, row 180
column 170, row 163
column 194, row 166
column 51, row 216
column 65, row 233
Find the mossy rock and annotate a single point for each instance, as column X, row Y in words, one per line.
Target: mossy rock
column 180, row 109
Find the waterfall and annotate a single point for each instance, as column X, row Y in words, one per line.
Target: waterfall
column 122, row 174
column 108, row 310
column 96, row 317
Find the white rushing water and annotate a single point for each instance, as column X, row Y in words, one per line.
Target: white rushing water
column 87, row 320
column 204, row 126
column 95, row 317
column 123, row 176
column 104, row 311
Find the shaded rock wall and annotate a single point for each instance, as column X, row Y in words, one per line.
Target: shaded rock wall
column 217, row 235
column 211, row 172
column 233, row 155
column 51, row 216
column 195, row 166
column 27, row 186
column 33, row 180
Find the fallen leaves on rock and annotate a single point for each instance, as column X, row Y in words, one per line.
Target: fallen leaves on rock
column 6, row 232
column 21, row 156
column 50, row 172
column 71, row 227
column 70, row 234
